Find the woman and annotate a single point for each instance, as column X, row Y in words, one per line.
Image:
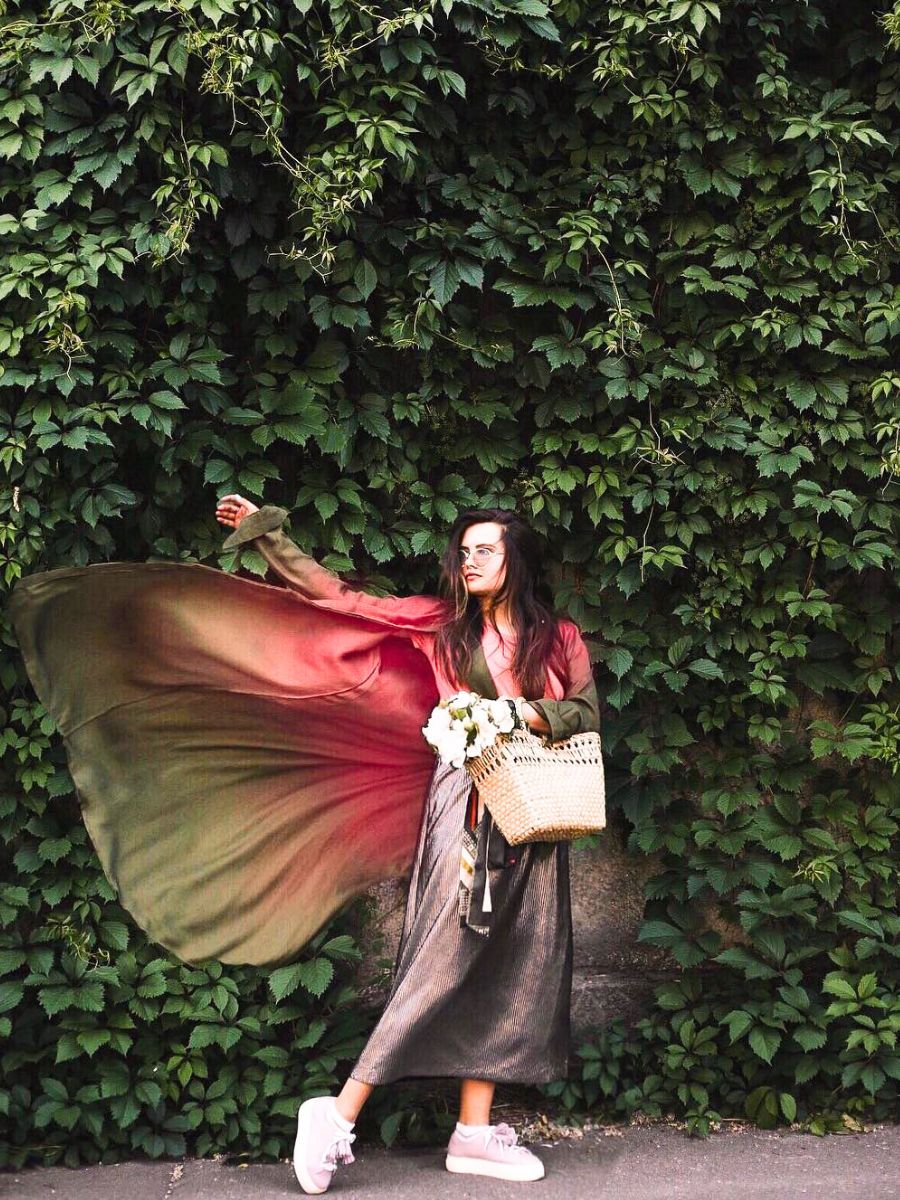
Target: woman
column 249, row 758
column 481, row 986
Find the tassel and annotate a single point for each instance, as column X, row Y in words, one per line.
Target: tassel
column 486, row 905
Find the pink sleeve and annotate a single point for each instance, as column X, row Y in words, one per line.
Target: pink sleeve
column 578, row 662
column 321, row 587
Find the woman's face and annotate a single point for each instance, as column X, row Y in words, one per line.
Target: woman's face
column 482, row 558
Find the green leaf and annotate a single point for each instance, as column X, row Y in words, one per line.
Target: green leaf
column 167, row 400
column 444, row 281
column 88, row 68
column 107, row 175
column 838, row 986
column 660, row 933
column 60, row 70
column 217, row 471
column 328, row 361
column 619, row 660
column 90, row 1040
column 706, row 668
column 10, row 960
column 148, row 1092
column 342, row 946
column 326, row 506
column 273, row 1056
column 765, row 1042
column 810, row 1039
column 855, row 920
column 10, row 995
column 56, row 999
column 365, row 278
column 114, row 934
column 203, row 1036
column 53, row 194
column 314, row 976
column 748, row 963
column 739, row 1021
column 788, row 1106
column 10, row 144
column 390, row 1127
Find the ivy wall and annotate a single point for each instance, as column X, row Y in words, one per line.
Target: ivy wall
column 627, row 267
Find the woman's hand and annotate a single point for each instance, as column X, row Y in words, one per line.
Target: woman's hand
column 231, row 510
column 533, row 719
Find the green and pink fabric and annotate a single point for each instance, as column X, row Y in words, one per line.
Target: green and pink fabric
column 248, row 756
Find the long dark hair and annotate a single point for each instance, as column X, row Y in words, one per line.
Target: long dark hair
column 526, row 592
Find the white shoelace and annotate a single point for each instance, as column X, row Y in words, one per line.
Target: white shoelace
column 339, row 1151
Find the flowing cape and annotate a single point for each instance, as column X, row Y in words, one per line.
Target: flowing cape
column 247, row 760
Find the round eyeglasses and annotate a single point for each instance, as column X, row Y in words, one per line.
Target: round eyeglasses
column 480, row 555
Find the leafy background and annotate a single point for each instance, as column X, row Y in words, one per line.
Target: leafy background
column 627, row 267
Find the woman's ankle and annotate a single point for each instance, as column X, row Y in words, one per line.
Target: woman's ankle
column 352, row 1097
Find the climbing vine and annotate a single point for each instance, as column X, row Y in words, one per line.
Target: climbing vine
column 628, row 267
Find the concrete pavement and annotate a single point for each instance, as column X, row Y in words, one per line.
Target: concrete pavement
column 640, row 1162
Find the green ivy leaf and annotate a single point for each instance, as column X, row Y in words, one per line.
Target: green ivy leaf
column 765, row 1042
column 365, row 278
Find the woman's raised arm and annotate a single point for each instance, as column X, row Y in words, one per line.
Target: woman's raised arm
column 322, row 587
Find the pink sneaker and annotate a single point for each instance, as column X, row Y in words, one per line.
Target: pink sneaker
column 494, row 1152
column 320, row 1145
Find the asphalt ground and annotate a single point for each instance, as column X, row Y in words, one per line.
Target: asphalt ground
column 639, row 1162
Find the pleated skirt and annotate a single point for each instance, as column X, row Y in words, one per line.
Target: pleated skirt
column 462, row 1004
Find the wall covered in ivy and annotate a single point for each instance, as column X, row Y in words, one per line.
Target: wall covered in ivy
column 627, row 267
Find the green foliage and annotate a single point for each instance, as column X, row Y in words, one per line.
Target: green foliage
column 113, row 1049
column 779, row 1056
column 627, row 267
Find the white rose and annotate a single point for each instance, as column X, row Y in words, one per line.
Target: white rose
column 453, row 748
column 438, row 724
column 482, row 724
column 502, row 716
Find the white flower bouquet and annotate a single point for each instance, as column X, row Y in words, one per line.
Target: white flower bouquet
column 462, row 726
column 537, row 790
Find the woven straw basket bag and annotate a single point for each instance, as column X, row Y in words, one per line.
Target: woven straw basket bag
column 542, row 791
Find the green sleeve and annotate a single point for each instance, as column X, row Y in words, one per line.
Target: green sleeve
column 316, row 583
column 577, row 713
column 579, row 710
column 299, row 570
column 269, row 517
